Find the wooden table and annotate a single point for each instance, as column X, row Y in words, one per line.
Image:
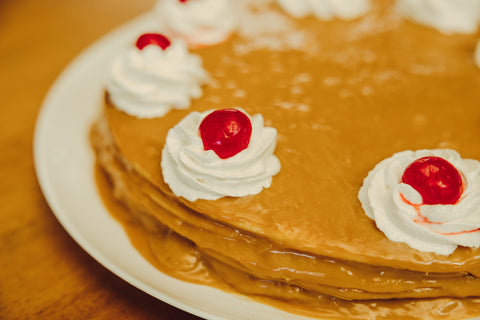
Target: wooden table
column 44, row 274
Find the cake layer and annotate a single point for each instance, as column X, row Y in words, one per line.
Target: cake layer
column 147, row 224
column 339, row 110
column 343, row 95
column 263, row 259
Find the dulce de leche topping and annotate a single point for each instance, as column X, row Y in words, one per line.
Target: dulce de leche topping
column 342, row 95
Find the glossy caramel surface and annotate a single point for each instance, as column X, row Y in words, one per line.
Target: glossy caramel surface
column 343, row 96
column 353, row 94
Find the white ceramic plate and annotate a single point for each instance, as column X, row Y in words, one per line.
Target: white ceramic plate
column 64, row 163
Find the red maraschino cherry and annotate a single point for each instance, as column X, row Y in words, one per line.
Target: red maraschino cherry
column 436, row 179
column 153, row 38
column 183, row 1
column 226, row 132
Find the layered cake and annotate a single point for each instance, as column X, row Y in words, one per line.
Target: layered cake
column 318, row 156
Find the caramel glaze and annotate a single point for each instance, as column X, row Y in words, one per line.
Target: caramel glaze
column 178, row 256
column 182, row 258
column 362, row 99
column 353, row 94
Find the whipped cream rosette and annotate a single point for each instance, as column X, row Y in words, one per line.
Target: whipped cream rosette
column 219, row 153
column 326, row 9
column 429, row 199
column 447, row 16
column 155, row 76
column 198, row 22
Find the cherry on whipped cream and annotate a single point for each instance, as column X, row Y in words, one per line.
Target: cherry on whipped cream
column 226, row 132
column 153, row 38
column 436, row 179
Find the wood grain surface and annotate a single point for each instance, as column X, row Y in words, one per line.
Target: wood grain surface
column 44, row 274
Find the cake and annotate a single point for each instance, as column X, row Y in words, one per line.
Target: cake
column 336, row 94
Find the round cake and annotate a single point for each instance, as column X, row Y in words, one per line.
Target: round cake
column 336, row 94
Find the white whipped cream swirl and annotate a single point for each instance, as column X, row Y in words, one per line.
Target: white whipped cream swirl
column 198, row 22
column 447, row 16
column 148, row 83
column 429, row 228
column 194, row 173
column 326, row 9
